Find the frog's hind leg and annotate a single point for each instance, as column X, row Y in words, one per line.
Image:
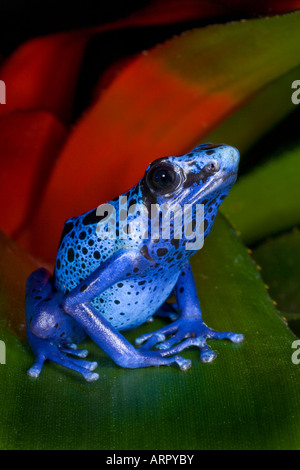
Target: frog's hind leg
column 47, row 326
column 38, row 285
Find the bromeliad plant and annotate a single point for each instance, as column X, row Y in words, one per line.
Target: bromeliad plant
column 221, row 83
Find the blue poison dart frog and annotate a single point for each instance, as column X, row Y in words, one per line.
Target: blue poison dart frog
column 105, row 284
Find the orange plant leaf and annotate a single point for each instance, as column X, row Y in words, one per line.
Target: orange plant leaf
column 29, row 143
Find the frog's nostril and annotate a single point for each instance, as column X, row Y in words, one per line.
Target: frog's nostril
column 212, row 167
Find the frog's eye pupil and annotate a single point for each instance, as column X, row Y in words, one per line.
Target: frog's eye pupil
column 163, row 178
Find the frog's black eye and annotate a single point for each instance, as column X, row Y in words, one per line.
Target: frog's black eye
column 164, row 178
column 212, row 167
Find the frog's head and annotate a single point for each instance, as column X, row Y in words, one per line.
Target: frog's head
column 202, row 176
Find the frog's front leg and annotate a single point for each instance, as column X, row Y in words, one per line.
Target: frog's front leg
column 77, row 304
column 190, row 323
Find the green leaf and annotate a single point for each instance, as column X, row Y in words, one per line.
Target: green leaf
column 246, row 398
column 279, row 260
column 257, row 116
column 266, row 200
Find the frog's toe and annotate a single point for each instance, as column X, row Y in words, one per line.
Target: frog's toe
column 207, row 355
column 83, row 367
column 152, row 341
column 74, row 352
column 169, row 343
column 230, row 335
column 91, row 377
column 236, row 337
column 161, row 333
column 184, row 364
column 187, row 343
column 35, row 370
column 89, row 365
column 178, row 337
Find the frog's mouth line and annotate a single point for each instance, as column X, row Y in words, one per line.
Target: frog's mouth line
column 208, row 188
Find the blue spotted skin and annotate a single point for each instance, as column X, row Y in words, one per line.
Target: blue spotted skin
column 102, row 286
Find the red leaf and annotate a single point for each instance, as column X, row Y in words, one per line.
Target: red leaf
column 42, row 74
column 29, row 142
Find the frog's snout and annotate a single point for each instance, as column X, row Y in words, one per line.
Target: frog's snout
column 227, row 155
column 230, row 157
column 235, row 155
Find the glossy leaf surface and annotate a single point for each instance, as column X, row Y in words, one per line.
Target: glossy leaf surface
column 244, row 399
column 279, row 259
column 259, row 115
column 266, row 201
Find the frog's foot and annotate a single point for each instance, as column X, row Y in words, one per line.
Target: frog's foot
column 180, row 330
column 58, row 355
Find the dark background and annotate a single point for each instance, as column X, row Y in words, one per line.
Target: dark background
column 24, row 19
